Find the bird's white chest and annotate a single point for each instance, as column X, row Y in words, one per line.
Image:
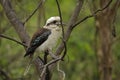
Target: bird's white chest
column 52, row 40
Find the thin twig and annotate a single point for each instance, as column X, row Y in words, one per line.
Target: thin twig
column 52, row 61
column 61, row 21
column 92, row 15
column 61, row 72
column 48, row 64
column 26, row 20
column 1, row 35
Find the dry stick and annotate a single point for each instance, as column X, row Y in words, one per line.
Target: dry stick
column 6, row 37
column 64, row 42
column 52, row 61
column 92, row 15
column 60, row 71
column 26, row 20
column 48, row 64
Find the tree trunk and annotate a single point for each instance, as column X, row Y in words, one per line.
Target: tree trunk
column 104, row 47
column 104, row 26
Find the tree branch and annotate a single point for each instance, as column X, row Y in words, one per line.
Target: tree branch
column 43, row 68
column 63, row 33
column 40, row 4
column 73, row 19
column 92, row 15
column 6, row 37
column 17, row 24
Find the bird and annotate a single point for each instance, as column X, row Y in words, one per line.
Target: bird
column 46, row 38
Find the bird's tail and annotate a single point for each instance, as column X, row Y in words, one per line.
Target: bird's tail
column 28, row 66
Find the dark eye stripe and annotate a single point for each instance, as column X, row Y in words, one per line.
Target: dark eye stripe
column 52, row 23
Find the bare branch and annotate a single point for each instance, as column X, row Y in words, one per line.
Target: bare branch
column 17, row 24
column 92, row 15
column 73, row 19
column 43, row 68
column 61, row 72
column 6, row 37
column 63, row 33
column 40, row 4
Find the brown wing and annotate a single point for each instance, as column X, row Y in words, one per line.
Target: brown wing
column 38, row 38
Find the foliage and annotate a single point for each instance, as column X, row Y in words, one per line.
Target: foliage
column 80, row 62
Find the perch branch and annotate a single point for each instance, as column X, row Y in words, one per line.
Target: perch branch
column 47, row 65
column 6, row 37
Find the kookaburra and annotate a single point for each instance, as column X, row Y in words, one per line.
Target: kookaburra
column 46, row 38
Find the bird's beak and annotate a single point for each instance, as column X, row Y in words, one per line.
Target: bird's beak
column 64, row 24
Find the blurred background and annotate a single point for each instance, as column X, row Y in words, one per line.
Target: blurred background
column 81, row 61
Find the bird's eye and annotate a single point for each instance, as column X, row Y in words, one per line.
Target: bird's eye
column 54, row 22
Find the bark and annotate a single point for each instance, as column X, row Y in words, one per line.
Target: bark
column 104, row 26
column 17, row 24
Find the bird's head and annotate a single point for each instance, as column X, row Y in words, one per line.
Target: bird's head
column 53, row 22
